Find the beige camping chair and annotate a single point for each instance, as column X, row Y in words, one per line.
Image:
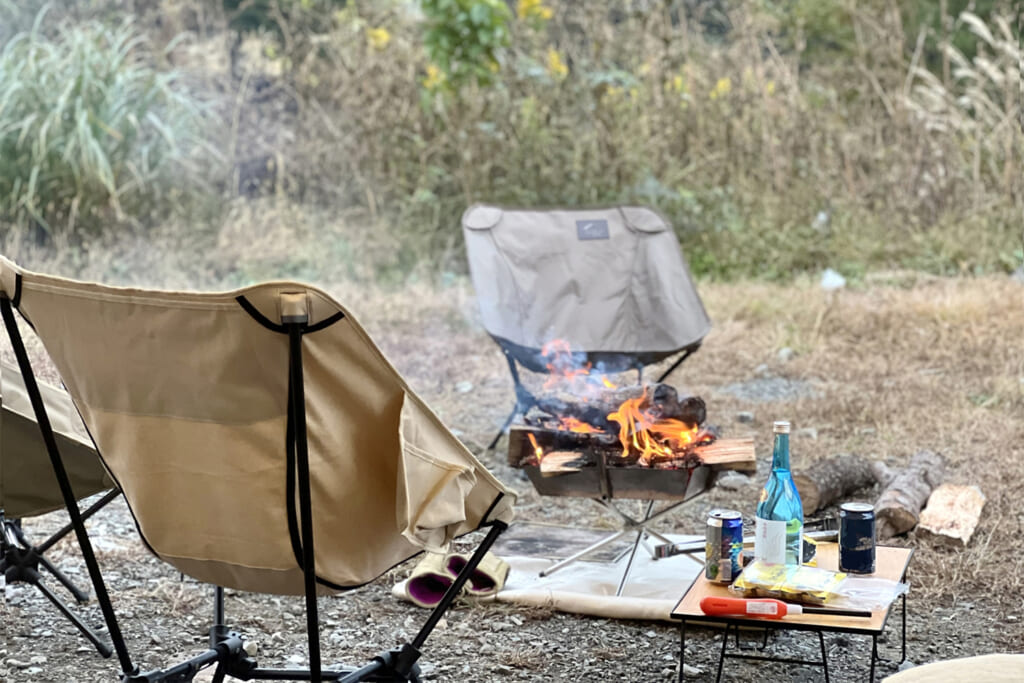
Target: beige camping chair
column 243, row 425
column 28, row 487
column 609, row 284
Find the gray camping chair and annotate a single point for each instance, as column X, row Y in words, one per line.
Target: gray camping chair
column 28, row 487
column 612, row 283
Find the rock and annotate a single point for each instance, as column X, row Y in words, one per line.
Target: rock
column 691, row 670
column 732, row 481
column 745, row 417
column 786, row 354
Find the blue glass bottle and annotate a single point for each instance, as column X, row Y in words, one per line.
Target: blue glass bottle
column 779, row 519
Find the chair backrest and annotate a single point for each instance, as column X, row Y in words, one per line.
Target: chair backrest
column 609, row 280
column 186, row 395
column 27, row 483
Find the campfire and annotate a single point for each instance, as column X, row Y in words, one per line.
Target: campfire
column 584, row 424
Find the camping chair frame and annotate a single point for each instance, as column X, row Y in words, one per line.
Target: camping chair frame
column 226, row 650
column 20, row 561
column 515, row 355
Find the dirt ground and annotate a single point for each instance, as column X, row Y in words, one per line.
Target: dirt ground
column 899, row 363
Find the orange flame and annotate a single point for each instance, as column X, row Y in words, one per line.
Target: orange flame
column 648, row 435
column 572, row 424
column 537, row 450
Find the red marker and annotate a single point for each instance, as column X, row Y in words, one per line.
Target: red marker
column 767, row 608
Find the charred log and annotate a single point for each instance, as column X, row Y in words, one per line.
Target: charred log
column 660, row 401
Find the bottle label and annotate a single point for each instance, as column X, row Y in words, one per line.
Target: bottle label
column 769, row 608
column 770, row 541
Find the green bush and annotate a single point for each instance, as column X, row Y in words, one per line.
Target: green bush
column 90, row 130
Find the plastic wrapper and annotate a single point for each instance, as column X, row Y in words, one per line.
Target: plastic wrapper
column 813, row 586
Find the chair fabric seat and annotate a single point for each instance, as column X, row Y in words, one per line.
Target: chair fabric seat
column 609, row 280
column 27, row 483
column 186, row 395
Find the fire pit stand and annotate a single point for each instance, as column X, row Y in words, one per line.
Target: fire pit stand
column 629, row 525
column 582, row 466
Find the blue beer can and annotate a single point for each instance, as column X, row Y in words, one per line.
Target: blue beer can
column 857, row 538
column 723, row 546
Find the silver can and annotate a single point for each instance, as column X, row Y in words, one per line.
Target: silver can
column 723, row 546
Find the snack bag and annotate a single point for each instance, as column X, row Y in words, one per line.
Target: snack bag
column 792, row 583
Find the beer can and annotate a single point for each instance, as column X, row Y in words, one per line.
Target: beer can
column 857, row 538
column 723, row 546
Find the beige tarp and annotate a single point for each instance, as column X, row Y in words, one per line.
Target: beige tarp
column 28, row 486
column 186, row 394
column 605, row 280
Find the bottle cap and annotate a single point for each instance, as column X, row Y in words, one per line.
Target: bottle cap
column 781, row 427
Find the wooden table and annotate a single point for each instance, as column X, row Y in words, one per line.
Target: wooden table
column 890, row 563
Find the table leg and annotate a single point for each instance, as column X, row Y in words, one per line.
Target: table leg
column 682, row 650
column 874, row 656
column 904, row 636
column 824, row 655
column 721, row 657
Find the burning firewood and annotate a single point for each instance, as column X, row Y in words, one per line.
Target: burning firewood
column 660, row 401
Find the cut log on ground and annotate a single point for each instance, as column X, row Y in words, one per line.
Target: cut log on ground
column 951, row 515
column 829, row 480
column 899, row 507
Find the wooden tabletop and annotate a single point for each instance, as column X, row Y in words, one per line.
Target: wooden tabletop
column 890, row 563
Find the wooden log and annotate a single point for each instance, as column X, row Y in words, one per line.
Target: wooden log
column 951, row 515
column 660, row 400
column 828, row 480
column 899, row 506
column 560, row 462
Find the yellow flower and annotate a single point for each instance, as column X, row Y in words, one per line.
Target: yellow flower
column 769, row 88
column 645, row 68
column 613, row 92
column 435, row 78
column 677, row 83
column 378, row 37
column 556, row 67
column 533, row 9
column 721, row 89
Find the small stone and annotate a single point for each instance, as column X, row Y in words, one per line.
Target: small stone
column 732, row 481
column 762, row 370
column 907, row 665
column 808, row 433
column 17, row 663
column 34, row 670
column 37, row 659
column 155, row 639
column 691, row 670
column 464, row 387
column 251, row 648
column 745, row 417
column 786, row 354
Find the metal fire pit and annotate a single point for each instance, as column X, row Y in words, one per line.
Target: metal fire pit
column 605, row 482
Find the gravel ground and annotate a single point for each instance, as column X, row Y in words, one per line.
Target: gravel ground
column 961, row 602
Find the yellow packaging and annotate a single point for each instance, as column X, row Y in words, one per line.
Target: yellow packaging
column 799, row 584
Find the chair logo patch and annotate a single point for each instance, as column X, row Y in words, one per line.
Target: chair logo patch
column 592, row 229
